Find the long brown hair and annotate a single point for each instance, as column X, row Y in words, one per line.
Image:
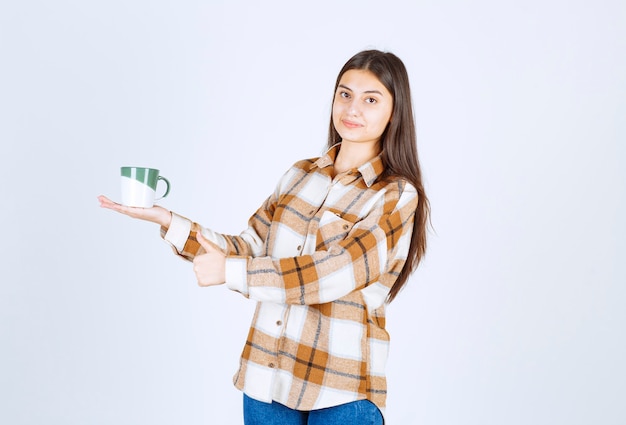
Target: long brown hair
column 398, row 143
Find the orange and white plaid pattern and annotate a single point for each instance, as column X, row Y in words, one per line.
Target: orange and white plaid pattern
column 319, row 256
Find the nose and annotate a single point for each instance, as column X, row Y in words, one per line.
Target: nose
column 353, row 109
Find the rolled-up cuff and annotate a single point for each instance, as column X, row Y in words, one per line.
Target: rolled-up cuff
column 236, row 273
column 178, row 232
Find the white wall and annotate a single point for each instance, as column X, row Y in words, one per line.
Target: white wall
column 517, row 315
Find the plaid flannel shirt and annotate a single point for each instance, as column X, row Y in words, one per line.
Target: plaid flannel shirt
column 319, row 257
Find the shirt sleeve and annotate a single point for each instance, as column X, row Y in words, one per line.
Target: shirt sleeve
column 372, row 254
column 181, row 233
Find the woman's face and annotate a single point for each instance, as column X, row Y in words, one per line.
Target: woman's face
column 362, row 107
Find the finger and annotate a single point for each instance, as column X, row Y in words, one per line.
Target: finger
column 104, row 200
column 107, row 203
column 204, row 243
column 130, row 211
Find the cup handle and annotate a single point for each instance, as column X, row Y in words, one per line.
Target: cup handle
column 167, row 189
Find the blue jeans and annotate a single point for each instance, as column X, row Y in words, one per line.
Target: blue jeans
column 362, row 412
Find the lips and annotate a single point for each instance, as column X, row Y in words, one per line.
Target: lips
column 351, row 124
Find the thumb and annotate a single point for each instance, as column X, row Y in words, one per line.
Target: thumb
column 204, row 243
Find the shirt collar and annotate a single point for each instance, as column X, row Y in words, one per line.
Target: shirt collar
column 370, row 171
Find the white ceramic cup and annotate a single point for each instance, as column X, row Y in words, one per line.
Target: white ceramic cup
column 139, row 186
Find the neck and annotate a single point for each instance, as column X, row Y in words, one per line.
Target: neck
column 353, row 155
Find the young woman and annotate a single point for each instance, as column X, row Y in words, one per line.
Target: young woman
column 322, row 257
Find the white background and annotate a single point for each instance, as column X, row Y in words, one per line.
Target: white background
column 515, row 317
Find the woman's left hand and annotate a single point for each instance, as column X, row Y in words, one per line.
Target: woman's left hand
column 209, row 267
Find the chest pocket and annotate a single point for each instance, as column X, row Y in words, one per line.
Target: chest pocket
column 332, row 229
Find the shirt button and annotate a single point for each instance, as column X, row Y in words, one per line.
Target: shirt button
column 345, row 227
column 299, row 247
column 279, row 322
column 271, row 365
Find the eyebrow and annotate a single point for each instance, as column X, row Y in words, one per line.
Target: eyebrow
column 366, row 91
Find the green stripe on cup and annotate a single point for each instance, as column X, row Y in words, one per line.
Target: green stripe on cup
column 147, row 176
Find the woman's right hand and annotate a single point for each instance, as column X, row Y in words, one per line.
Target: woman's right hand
column 156, row 214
